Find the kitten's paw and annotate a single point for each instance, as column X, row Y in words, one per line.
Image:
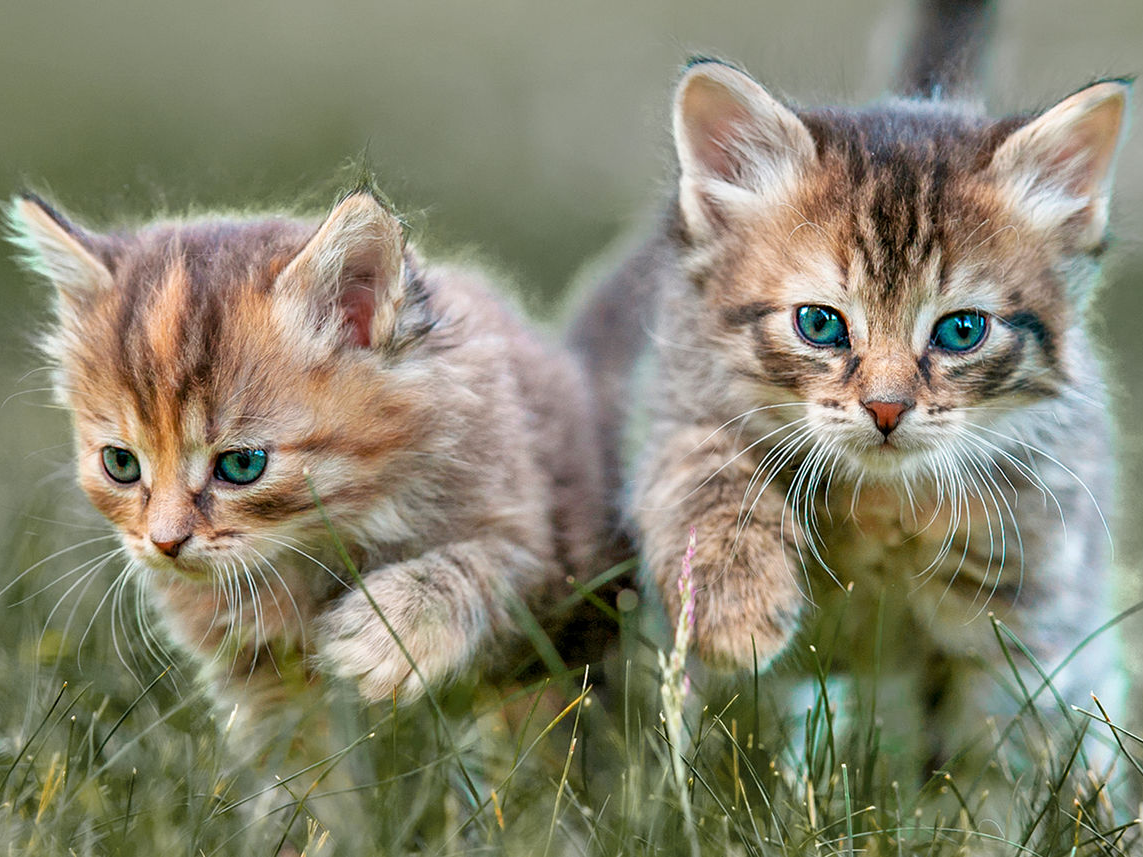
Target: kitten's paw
column 355, row 643
column 743, row 631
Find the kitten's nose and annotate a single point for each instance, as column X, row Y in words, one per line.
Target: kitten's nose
column 887, row 414
column 170, row 548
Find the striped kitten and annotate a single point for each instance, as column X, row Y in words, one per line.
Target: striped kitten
column 221, row 372
column 867, row 365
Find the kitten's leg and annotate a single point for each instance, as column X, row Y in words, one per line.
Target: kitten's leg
column 443, row 605
column 1060, row 595
column 968, row 692
column 747, row 597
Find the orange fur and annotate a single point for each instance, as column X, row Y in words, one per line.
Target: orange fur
column 451, row 448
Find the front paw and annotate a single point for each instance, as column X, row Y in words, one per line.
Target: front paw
column 743, row 630
column 355, row 643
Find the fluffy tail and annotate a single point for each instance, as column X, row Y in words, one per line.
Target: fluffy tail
column 945, row 54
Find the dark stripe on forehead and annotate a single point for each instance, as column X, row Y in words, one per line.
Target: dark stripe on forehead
column 204, row 331
column 868, row 255
column 134, row 354
column 897, row 161
column 903, row 213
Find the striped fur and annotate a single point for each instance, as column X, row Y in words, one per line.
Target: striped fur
column 448, row 444
column 894, row 216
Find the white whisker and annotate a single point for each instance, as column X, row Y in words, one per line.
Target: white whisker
column 52, row 556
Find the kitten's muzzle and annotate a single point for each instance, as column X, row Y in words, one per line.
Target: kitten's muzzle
column 171, row 547
column 887, row 415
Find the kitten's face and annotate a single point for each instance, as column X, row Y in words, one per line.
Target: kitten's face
column 888, row 269
column 210, row 386
column 895, row 349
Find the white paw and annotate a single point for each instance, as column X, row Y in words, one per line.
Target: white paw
column 355, row 644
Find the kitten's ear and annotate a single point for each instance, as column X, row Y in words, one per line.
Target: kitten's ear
column 1057, row 169
column 354, row 267
column 57, row 249
column 736, row 145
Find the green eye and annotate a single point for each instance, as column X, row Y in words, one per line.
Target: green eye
column 240, row 466
column 120, row 464
column 960, row 331
column 820, row 325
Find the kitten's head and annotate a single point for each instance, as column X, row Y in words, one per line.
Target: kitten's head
column 909, row 271
column 215, row 368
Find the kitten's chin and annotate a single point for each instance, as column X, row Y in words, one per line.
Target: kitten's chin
column 888, row 463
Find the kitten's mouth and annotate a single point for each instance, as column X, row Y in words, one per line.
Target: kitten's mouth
column 888, row 458
column 185, row 568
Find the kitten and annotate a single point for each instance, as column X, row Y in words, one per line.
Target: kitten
column 865, row 364
column 223, row 372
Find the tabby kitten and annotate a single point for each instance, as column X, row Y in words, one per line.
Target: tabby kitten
column 222, row 372
column 867, row 367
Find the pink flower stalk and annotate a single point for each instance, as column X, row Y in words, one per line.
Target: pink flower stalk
column 686, row 584
column 686, row 612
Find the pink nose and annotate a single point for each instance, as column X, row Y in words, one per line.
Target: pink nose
column 170, row 548
column 887, row 414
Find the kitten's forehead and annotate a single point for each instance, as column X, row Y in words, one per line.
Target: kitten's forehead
column 908, row 217
column 215, row 252
column 188, row 325
column 894, row 175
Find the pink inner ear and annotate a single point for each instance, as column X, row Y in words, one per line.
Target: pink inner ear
column 718, row 149
column 1069, row 161
column 358, row 302
column 716, row 121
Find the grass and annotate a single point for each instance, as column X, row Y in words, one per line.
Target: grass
column 104, row 750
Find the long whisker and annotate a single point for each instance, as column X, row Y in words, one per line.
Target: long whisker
column 85, row 581
column 260, row 639
column 115, row 584
column 1038, row 451
column 278, row 540
column 988, row 487
column 772, row 462
column 60, row 578
column 780, row 456
column 815, row 466
column 52, row 556
column 290, row 595
column 745, row 450
column 151, row 641
column 997, row 491
column 1020, row 547
column 118, row 620
column 1023, row 468
column 742, row 416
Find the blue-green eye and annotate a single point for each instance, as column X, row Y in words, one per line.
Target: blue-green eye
column 960, row 331
column 820, row 325
column 120, row 464
column 240, row 466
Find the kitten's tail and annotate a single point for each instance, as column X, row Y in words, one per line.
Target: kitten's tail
column 945, row 56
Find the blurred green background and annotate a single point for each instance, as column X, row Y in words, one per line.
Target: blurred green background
column 536, row 132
